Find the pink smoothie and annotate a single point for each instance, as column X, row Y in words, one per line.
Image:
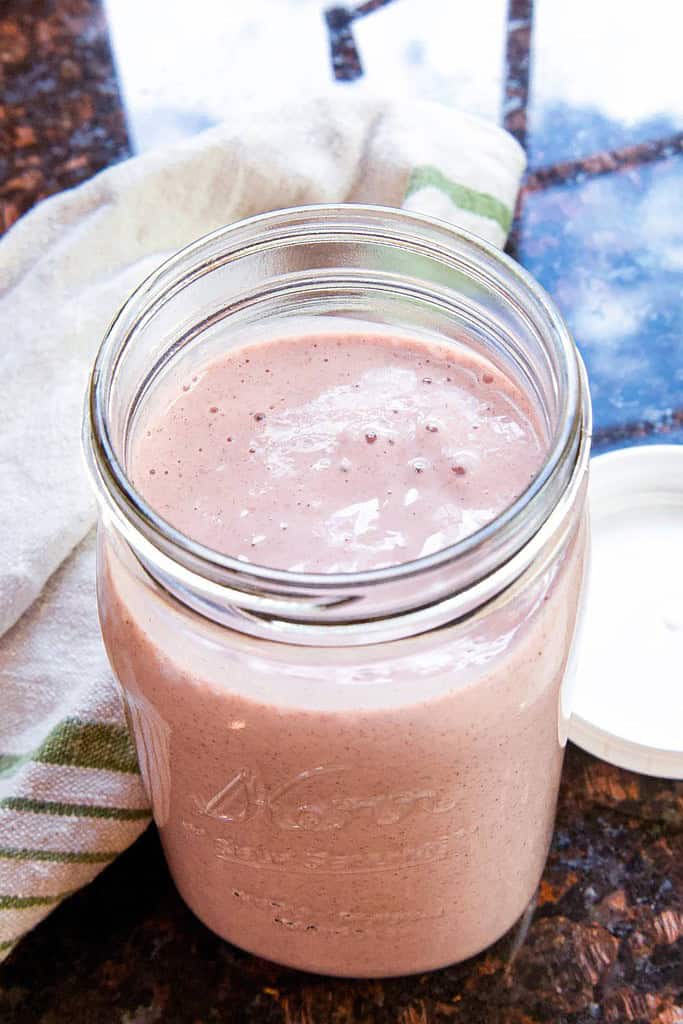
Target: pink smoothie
column 338, row 454
column 368, row 810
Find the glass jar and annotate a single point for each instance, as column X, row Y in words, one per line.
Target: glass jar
column 354, row 774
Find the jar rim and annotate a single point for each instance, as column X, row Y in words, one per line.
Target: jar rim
column 429, row 235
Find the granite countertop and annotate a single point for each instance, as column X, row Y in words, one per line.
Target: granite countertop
column 593, row 93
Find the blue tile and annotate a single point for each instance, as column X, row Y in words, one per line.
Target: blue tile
column 610, row 251
column 604, row 76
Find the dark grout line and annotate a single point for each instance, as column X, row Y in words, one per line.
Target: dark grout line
column 367, row 7
column 604, row 436
column 346, row 65
column 572, row 171
column 346, row 62
column 520, row 14
column 512, row 244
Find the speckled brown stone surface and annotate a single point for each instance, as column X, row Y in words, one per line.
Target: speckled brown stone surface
column 60, row 112
column 603, row 943
column 604, row 940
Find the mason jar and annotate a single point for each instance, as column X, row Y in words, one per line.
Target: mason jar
column 351, row 773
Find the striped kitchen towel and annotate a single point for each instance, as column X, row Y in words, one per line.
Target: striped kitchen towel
column 70, row 794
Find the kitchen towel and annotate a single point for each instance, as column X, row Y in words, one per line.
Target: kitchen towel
column 71, row 797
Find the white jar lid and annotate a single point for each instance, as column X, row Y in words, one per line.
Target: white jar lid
column 627, row 695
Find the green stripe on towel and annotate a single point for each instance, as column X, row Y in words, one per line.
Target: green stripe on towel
column 58, row 856
column 80, row 745
column 23, row 902
column 8, row 762
column 481, row 203
column 20, row 803
column 89, row 745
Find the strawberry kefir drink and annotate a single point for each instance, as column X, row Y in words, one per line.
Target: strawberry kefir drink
column 341, row 557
